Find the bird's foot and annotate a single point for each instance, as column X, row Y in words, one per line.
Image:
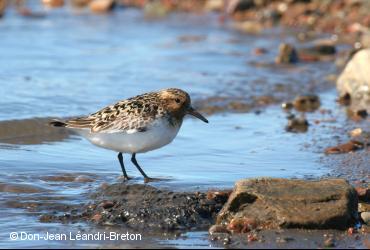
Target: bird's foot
column 125, row 178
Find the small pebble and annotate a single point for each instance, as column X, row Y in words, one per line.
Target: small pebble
column 329, row 242
column 365, row 216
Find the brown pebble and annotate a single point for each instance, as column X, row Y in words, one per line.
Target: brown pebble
column 252, row 237
column 218, row 229
column 53, row 3
column 260, row 51
column 101, row 6
column 351, row 231
column 329, row 242
column 96, row 217
column 218, row 195
column 242, row 225
column 345, row 99
column 363, row 194
column 106, row 204
column 345, row 148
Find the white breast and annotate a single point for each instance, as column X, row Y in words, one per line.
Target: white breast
column 159, row 134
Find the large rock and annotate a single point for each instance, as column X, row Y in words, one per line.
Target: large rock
column 355, row 80
column 284, row 203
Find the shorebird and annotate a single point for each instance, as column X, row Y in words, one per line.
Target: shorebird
column 135, row 125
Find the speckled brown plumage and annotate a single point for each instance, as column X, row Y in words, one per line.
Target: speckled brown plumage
column 135, row 113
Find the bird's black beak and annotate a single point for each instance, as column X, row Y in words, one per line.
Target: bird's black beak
column 195, row 113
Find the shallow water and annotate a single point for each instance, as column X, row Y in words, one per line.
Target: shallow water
column 73, row 64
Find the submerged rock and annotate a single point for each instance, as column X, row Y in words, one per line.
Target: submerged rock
column 297, row 124
column 306, row 103
column 287, row 54
column 284, row 203
column 355, row 81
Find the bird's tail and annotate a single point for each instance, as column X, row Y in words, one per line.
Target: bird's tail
column 57, row 123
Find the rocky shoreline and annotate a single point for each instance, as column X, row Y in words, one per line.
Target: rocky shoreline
column 254, row 208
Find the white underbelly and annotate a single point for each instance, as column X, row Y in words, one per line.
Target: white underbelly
column 158, row 135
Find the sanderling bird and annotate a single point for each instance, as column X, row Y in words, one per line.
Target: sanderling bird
column 135, row 125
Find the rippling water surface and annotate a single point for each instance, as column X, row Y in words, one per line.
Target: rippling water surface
column 70, row 64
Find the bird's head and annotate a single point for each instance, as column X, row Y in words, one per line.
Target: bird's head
column 178, row 103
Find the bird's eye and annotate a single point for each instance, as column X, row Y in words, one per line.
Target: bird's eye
column 177, row 100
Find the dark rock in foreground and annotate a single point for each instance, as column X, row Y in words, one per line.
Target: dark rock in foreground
column 147, row 209
column 284, row 203
column 144, row 206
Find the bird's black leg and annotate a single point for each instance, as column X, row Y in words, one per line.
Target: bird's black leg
column 120, row 158
column 146, row 178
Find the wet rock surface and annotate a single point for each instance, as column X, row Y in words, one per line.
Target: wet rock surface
column 143, row 207
column 283, row 203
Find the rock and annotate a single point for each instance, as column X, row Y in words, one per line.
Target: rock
column 107, row 204
column 363, row 194
column 329, row 242
column 283, row 240
column 96, row 218
column 365, row 216
column 357, row 115
column 363, row 207
column 319, row 51
column 155, row 9
column 287, row 54
column 297, row 125
column 249, row 27
column 218, row 196
column 242, row 225
column 355, row 132
column 285, row 203
column 351, row 231
column 306, row 103
column 2, row 7
column 287, row 106
column 53, row 3
column 366, row 230
column 26, row 12
column 365, row 40
column 218, row 229
column 345, row 148
column 252, row 237
column 260, row 51
column 345, row 99
column 239, row 5
column 214, row 5
column 80, row 3
column 191, row 38
column 101, row 6
column 146, row 208
column 355, row 80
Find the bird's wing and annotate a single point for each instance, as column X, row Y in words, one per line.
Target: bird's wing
column 130, row 116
